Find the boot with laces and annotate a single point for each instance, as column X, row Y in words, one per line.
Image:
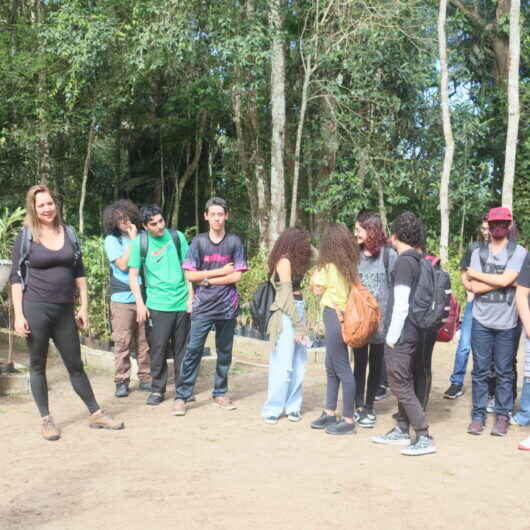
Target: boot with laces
column 49, row 430
column 103, row 420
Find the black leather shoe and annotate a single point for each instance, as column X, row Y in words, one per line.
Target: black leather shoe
column 323, row 421
column 155, row 398
column 122, row 390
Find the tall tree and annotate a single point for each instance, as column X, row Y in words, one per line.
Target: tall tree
column 448, row 134
column 513, row 106
column 277, row 193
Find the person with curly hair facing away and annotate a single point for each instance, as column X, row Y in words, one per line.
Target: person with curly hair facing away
column 336, row 273
column 376, row 263
column 288, row 262
column 402, row 340
column 120, row 223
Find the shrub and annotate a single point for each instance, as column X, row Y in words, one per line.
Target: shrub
column 97, row 272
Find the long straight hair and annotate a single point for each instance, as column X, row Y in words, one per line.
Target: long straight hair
column 32, row 219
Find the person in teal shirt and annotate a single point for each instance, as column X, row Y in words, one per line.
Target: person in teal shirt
column 167, row 306
column 120, row 220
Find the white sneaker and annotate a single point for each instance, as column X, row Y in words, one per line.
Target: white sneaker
column 490, row 407
column 524, row 445
column 394, row 437
column 423, row 445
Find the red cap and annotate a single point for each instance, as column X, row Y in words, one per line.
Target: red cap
column 499, row 214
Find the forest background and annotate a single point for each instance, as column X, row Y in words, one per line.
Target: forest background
column 294, row 111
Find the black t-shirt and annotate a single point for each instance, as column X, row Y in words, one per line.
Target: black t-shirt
column 466, row 258
column 51, row 273
column 405, row 272
column 524, row 276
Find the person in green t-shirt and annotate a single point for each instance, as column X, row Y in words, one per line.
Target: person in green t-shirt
column 167, row 306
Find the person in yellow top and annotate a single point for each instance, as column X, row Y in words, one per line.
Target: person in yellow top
column 336, row 272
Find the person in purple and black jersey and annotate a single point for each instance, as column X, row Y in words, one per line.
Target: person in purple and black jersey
column 214, row 264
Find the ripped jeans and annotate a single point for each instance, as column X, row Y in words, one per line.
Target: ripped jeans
column 286, row 371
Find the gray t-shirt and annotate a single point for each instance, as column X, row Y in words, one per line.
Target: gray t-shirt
column 496, row 309
column 374, row 277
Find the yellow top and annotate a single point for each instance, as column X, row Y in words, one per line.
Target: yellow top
column 337, row 288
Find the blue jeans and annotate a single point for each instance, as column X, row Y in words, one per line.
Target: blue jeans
column 522, row 417
column 286, row 371
column 523, row 414
column 497, row 347
column 464, row 347
column 189, row 370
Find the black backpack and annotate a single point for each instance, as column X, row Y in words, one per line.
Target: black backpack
column 431, row 296
column 260, row 307
column 25, row 243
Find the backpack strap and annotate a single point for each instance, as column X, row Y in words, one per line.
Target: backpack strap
column 23, row 261
column 176, row 240
column 386, row 262
column 74, row 240
column 483, row 253
column 144, row 244
column 510, row 249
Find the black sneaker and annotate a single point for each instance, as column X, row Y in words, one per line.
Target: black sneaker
column 381, row 393
column 454, row 391
column 323, row 421
column 367, row 419
column 122, row 390
column 341, row 427
column 155, row 398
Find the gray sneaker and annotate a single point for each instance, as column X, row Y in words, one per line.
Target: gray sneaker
column 394, row 437
column 423, row 445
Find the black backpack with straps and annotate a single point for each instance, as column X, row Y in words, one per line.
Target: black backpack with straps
column 25, row 244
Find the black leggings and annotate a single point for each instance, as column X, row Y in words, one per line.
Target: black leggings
column 57, row 322
column 374, row 360
column 422, row 371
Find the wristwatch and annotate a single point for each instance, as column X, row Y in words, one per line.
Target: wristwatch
column 205, row 282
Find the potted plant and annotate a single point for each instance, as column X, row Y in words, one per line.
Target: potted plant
column 9, row 224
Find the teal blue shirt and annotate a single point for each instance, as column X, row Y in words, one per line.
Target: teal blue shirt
column 115, row 247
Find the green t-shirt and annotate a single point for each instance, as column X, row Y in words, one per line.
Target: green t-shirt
column 166, row 285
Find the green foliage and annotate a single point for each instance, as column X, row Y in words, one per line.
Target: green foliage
column 453, row 269
column 10, row 223
column 257, row 273
column 97, row 272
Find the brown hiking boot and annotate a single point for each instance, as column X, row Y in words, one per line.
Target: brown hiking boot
column 476, row 426
column 49, row 430
column 179, row 407
column 501, row 426
column 224, row 402
column 103, row 420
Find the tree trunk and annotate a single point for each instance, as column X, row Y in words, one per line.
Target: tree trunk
column 513, row 106
column 43, row 164
column 448, row 134
column 277, row 185
column 298, row 147
column 180, row 182
column 381, row 199
column 86, row 169
column 196, row 197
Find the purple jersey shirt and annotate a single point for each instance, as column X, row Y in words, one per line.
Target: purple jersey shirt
column 216, row 302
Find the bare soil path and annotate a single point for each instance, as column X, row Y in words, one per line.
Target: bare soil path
column 227, row 470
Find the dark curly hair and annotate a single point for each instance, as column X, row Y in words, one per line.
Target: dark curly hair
column 409, row 230
column 338, row 246
column 376, row 238
column 115, row 212
column 295, row 245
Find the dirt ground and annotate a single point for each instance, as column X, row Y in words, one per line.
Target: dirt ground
column 220, row 470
